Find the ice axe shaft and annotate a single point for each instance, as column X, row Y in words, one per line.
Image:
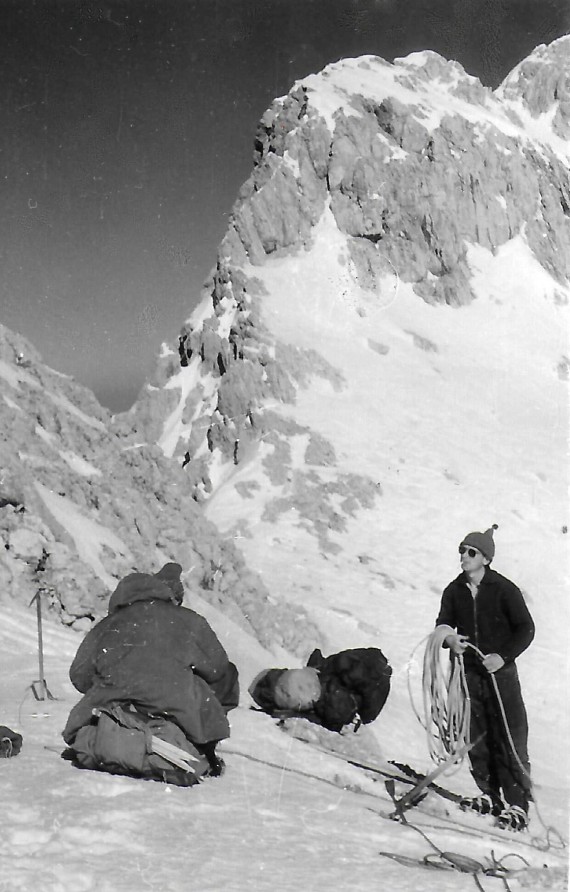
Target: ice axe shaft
column 39, row 687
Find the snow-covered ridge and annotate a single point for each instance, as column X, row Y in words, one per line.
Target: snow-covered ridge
column 399, row 154
column 82, row 503
column 378, row 365
column 538, row 89
column 434, row 89
column 380, row 360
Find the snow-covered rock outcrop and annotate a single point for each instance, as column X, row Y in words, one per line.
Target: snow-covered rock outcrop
column 378, row 364
column 82, row 505
column 380, row 360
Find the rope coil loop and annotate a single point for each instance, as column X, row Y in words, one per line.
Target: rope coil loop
column 447, row 710
column 447, row 706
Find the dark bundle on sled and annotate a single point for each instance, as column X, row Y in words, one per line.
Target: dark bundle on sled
column 345, row 688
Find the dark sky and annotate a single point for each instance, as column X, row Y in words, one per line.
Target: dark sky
column 126, row 130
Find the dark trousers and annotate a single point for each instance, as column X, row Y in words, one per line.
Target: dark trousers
column 494, row 767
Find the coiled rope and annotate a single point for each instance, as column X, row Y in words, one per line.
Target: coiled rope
column 447, row 710
column 447, row 707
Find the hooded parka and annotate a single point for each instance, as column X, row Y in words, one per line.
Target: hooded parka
column 162, row 658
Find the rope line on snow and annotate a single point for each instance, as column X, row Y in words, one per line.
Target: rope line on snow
column 550, row 831
column 444, row 860
column 447, row 710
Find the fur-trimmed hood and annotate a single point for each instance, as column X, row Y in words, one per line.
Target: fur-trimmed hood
column 139, row 587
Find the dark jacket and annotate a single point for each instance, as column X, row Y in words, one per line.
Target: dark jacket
column 161, row 657
column 363, row 673
column 496, row 621
column 353, row 683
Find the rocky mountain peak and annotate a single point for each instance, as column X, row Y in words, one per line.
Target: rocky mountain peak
column 377, row 357
column 415, row 160
column 540, row 86
column 403, row 234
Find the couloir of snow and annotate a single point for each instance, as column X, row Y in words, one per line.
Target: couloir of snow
column 462, row 420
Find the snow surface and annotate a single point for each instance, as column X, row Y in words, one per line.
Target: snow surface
column 455, row 442
column 89, row 536
column 15, row 375
column 285, row 816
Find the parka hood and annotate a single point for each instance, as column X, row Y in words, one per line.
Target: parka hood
column 139, row 587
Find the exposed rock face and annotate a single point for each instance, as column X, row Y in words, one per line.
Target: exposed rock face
column 292, row 409
column 82, row 505
column 370, row 180
column 540, row 85
column 411, row 190
column 412, row 181
column 283, row 199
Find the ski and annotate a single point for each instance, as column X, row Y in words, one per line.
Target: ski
column 416, row 793
column 393, row 771
column 459, row 822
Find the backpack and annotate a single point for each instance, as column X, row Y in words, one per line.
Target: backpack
column 10, row 742
column 337, row 705
column 126, row 742
column 363, row 671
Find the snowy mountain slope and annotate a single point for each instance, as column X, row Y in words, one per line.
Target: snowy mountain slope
column 378, row 366
column 83, row 503
column 380, row 362
column 284, row 816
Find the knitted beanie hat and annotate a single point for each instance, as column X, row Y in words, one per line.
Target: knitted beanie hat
column 483, row 541
column 297, row 689
column 170, row 575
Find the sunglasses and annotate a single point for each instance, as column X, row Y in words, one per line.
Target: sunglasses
column 470, row 551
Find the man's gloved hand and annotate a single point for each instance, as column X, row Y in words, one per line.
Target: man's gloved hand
column 493, row 662
column 457, row 643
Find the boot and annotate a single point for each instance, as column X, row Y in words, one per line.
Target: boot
column 483, row 805
column 512, row 817
column 217, row 765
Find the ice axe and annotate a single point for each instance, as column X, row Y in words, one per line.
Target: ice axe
column 39, row 687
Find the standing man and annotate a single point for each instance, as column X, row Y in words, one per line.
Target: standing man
column 486, row 611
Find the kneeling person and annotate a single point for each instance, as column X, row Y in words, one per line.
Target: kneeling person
column 151, row 669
